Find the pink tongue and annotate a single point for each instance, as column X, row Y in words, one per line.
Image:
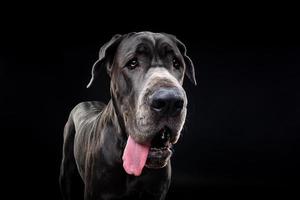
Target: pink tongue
column 134, row 157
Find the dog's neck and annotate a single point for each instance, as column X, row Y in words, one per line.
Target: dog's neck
column 118, row 115
column 114, row 116
column 110, row 120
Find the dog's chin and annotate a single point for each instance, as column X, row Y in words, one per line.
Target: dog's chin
column 158, row 157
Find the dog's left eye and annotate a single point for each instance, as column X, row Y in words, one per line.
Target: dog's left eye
column 176, row 63
column 132, row 64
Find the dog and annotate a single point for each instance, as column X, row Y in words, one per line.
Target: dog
column 122, row 150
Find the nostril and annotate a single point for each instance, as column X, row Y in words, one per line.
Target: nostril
column 158, row 104
column 178, row 104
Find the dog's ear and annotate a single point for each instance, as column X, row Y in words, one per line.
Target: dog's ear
column 106, row 56
column 189, row 71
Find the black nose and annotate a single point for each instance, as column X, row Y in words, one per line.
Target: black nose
column 166, row 102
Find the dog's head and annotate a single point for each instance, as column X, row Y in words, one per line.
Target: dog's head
column 147, row 71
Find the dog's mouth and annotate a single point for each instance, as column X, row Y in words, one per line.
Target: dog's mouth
column 154, row 155
column 160, row 150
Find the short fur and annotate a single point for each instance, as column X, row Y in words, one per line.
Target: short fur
column 95, row 134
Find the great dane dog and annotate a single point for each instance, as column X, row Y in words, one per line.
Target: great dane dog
column 122, row 150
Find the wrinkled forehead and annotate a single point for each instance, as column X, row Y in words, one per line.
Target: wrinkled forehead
column 146, row 42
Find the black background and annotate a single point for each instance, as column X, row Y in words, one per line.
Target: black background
column 242, row 130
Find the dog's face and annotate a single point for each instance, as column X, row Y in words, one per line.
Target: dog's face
column 147, row 72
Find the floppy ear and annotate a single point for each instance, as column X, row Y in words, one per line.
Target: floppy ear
column 106, row 56
column 189, row 71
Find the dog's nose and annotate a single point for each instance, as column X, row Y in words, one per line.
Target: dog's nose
column 167, row 102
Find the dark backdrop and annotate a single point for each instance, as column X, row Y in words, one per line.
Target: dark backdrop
column 242, row 128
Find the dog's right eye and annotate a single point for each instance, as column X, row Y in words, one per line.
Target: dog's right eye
column 132, row 64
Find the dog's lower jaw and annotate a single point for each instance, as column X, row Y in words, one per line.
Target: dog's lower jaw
column 158, row 158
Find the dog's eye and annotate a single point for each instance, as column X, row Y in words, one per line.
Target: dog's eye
column 132, row 64
column 176, row 63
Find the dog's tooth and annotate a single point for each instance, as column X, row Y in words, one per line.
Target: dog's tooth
column 163, row 135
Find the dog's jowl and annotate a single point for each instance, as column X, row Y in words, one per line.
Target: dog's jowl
column 122, row 150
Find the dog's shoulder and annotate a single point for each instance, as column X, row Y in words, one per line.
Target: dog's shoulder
column 90, row 106
column 86, row 111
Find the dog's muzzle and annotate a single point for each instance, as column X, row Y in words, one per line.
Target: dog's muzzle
column 165, row 105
